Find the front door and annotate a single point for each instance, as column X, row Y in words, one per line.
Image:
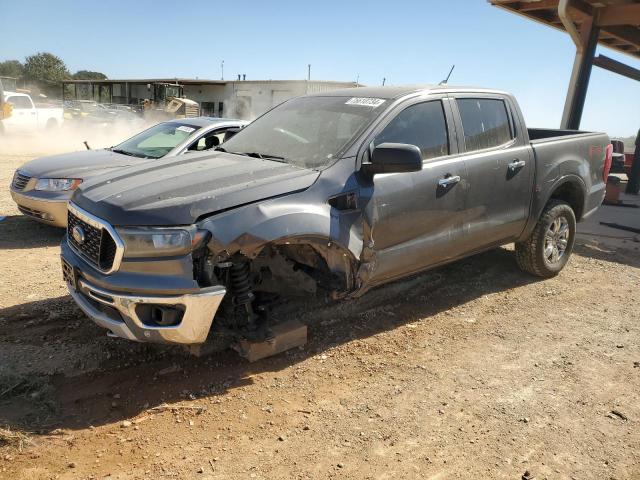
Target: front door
column 499, row 169
column 414, row 220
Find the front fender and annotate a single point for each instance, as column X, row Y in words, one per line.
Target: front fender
column 248, row 229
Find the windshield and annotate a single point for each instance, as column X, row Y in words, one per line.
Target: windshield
column 308, row 132
column 157, row 141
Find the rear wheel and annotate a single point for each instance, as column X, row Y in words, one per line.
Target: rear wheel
column 546, row 252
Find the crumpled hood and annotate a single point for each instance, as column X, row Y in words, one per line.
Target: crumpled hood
column 179, row 190
column 82, row 164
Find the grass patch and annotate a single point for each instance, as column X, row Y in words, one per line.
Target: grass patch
column 14, row 438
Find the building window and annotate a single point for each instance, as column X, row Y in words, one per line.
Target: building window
column 208, row 109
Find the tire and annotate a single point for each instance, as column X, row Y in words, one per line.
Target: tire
column 51, row 125
column 542, row 253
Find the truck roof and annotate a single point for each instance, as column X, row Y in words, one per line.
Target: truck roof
column 15, row 94
column 391, row 92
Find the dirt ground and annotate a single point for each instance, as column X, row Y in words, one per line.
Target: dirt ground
column 474, row 370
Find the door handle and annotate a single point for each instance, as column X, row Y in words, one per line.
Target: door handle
column 517, row 164
column 448, row 181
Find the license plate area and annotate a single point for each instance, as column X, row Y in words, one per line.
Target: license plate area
column 69, row 274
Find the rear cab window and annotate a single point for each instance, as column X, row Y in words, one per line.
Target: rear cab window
column 423, row 125
column 485, row 122
column 20, row 102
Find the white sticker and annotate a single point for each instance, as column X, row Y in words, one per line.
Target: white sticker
column 365, row 102
column 184, row 128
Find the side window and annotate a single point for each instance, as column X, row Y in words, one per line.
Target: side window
column 19, row 102
column 210, row 140
column 485, row 123
column 422, row 125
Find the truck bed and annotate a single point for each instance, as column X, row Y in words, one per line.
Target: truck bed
column 538, row 135
column 561, row 153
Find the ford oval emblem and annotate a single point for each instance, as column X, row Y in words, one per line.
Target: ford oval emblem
column 78, row 234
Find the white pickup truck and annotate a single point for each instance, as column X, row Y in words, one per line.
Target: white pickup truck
column 25, row 117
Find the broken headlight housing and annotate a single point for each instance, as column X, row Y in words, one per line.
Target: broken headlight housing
column 161, row 242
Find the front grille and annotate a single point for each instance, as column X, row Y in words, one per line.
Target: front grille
column 20, row 180
column 99, row 248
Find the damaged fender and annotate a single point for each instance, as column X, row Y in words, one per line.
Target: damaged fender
column 335, row 235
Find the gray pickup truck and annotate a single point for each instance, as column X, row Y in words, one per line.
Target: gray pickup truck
column 325, row 195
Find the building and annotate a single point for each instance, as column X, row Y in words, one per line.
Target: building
column 244, row 99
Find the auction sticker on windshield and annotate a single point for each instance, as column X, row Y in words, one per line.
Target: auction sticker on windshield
column 365, row 102
column 184, row 128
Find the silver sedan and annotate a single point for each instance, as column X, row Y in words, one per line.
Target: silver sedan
column 42, row 187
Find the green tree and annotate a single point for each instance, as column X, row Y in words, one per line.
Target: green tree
column 45, row 67
column 11, row 68
column 88, row 75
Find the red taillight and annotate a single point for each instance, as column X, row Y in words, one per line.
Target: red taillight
column 608, row 159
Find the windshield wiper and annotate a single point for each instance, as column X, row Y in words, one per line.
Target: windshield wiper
column 264, row 156
column 131, row 154
column 220, row 149
column 123, row 152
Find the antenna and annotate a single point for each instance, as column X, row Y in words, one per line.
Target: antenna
column 446, row 80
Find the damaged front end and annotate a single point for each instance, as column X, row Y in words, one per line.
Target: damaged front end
column 259, row 282
column 166, row 285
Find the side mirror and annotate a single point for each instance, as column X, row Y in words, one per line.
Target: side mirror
column 394, row 158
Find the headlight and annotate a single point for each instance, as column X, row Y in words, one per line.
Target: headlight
column 160, row 242
column 58, row 184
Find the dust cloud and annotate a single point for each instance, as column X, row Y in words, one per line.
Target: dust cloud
column 69, row 137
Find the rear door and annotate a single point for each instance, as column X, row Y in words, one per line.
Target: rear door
column 415, row 219
column 500, row 169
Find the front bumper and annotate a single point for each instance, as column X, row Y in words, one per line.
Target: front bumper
column 52, row 212
column 120, row 313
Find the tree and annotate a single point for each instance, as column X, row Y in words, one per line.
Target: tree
column 45, row 67
column 11, row 68
column 88, row 75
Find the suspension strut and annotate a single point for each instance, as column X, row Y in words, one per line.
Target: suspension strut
column 243, row 296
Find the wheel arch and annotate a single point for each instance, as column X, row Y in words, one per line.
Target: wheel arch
column 252, row 229
column 570, row 189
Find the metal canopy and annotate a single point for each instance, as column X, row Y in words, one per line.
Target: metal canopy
column 612, row 23
column 618, row 20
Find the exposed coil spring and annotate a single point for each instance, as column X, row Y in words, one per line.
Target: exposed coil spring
column 241, row 283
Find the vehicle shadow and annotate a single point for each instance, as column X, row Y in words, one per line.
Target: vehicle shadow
column 129, row 379
column 19, row 231
column 610, row 253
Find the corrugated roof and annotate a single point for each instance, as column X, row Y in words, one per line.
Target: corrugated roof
column 619, row 20
column 203, row 81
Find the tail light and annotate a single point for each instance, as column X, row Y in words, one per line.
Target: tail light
column 608, row 159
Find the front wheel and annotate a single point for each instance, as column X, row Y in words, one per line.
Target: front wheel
column 546, row 252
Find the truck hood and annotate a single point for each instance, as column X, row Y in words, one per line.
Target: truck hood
column 83, row 164
column 179, row 190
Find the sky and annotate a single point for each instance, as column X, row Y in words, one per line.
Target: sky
column 403, row 41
